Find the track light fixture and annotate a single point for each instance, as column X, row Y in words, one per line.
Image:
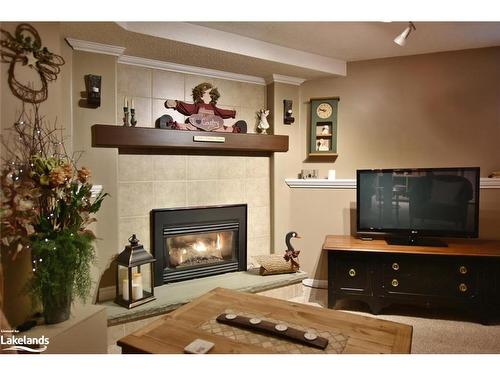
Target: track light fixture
column 401, row 38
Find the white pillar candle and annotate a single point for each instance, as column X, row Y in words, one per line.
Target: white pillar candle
column 137, row 286
column 125, row 289
column 137, row 278
column 136, row 291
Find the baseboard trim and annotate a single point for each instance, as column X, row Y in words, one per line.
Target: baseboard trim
column 315, row 283
column 107, row 293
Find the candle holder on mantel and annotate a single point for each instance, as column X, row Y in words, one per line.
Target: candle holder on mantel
column 125, row 117
column 133, row 121
column 133, row 287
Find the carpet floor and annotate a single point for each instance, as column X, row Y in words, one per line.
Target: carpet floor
column 434, row 331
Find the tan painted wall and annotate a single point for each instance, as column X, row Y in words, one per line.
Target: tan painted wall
column 283, row 164
column 419, row 111
column 102, row 162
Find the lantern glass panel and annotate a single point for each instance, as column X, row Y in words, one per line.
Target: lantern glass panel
column 146, row 270
column 123, row 289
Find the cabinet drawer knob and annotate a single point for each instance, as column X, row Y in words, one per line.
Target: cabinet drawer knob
column 462, row 287
column 352, row 272
column 395, row 266
column 462, row 270
column 394, row 282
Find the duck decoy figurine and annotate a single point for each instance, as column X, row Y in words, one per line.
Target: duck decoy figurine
column 290, row 252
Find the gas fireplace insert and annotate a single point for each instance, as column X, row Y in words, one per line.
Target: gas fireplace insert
column 194, row 242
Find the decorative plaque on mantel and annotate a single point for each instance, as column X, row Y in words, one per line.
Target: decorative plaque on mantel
column 209, row 138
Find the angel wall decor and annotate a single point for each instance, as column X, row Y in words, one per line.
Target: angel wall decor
column 24, row 50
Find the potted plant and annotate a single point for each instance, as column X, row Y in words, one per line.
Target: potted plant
column 46, row 203
column 46, row 208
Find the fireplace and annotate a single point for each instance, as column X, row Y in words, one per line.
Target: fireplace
column 201, row 241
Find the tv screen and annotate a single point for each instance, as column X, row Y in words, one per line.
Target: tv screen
column 424, row 202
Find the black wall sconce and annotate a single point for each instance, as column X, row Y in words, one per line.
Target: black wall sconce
column 93, row 86
column 287, row 111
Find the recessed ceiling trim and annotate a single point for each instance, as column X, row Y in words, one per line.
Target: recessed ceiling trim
column 105, row 49
column 285, row 79
column 187, row 69
column 224, row 41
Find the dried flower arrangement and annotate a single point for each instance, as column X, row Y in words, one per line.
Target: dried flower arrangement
column 46, row 205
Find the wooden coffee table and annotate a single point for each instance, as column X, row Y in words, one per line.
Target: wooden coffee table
column 346, row 332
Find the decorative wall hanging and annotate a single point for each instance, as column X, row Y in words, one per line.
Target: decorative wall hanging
column 288, row 118
column 203, row 113
column 93, row 86
column 323, row 136
column 22, row 49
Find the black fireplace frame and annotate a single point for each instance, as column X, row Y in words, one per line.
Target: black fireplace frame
column 165, row 218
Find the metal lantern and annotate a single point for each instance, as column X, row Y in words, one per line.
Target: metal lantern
column 134, row 275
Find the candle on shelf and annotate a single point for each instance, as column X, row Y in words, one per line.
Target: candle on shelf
column 125, row 289
column 132, row 104
column 125, row 102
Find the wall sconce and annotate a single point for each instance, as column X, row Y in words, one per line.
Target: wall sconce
column 93, row 86
column 287, row 111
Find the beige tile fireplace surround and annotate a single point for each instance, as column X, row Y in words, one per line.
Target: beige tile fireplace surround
column 146, row 182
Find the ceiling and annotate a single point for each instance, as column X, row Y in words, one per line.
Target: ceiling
column 307, row 50
column 352, row 41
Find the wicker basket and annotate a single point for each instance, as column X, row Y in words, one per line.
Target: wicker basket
column 275, row 264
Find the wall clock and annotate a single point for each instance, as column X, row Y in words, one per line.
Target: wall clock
column 323, row 140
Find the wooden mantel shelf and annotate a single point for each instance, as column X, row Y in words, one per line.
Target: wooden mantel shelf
column 138, row 140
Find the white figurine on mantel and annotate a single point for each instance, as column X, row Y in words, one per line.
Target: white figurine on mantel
column 263, row 124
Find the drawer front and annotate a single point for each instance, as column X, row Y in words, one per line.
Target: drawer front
column 351, row 274
column 439, row 276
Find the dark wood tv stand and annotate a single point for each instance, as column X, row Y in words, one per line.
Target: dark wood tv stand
column 466, row 274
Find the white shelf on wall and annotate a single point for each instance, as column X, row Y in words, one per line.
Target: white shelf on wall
column 490, row 183
column 318, row 183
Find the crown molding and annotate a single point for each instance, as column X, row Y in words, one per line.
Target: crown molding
column 105, row 49
column 187, row 69
column 318, row 183
column 296, row 81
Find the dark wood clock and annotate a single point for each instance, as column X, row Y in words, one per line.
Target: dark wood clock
column 323, row 126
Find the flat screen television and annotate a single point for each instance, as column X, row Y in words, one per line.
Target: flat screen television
column 408, row 206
